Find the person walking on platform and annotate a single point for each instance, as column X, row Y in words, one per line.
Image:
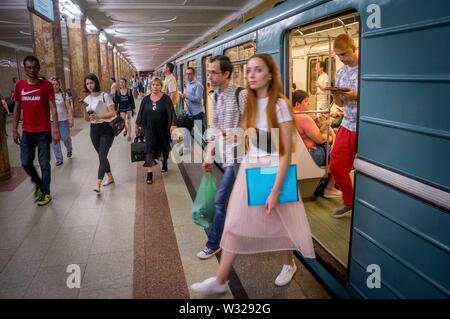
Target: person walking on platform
column 274, row 226
column 229, row 102
column 157, row 120
column 65, row 122
column 344, row 148
column 125, row 106
column 36, row 98
column 99, row 110
column 113, row 87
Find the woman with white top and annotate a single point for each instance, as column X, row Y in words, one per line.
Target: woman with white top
column 99, row 111
column 65, row 121
column 273, row 226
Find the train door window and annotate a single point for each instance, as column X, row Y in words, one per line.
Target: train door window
column 239, row 56
column 208, row 92
column 309, row 45
column 192, row 64
column 312, row 73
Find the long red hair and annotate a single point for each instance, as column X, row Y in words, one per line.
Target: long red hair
column 274, row 92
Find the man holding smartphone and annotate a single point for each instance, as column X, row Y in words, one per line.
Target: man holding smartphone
column 37, row 99
column 344, row 147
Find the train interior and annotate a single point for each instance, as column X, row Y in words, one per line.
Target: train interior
column 309, row 44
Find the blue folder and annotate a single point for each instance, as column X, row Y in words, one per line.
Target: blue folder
column 260, row 181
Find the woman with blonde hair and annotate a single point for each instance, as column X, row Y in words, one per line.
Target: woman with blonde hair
column 157, row 119
column 273, row 226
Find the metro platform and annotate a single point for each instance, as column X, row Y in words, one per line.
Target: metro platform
column 132, row 241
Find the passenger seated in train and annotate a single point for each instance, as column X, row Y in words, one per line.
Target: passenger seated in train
column 336, row 114
column 314, row 136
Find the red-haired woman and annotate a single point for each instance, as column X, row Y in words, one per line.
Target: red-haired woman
column 274, row 226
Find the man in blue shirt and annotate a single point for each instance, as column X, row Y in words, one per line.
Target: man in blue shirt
column 193, row 96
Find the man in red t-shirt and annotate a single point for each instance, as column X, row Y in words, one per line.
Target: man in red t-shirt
column 37, row 99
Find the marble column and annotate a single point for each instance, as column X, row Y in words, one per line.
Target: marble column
column 5, row 168
column 79, row 64
column 116, row 66
column 122, row 69
column 105, row 83
column 110, row 63
column 93, row 44
column 47, row 44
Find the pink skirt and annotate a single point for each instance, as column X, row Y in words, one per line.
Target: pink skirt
column 248, row 229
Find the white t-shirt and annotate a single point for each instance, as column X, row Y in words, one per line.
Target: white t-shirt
column 283, row 115
column 98, row 104
column 61, row 109
column 321, row 95
column 170, row 85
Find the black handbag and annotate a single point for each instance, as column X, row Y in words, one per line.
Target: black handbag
column 185, row 120
column 117, row 124
column 138, row 150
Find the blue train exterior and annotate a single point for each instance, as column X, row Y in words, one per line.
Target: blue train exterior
column 401, row 220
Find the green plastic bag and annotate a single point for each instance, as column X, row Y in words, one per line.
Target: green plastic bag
column 204, row 203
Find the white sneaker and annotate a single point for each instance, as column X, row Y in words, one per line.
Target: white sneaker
column 332, row 194
column 207, row 252
column 286, row 275
column 209, row 286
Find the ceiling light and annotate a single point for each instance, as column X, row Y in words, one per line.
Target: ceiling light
column 68, row 8
column 102, row 37
column 90, row 27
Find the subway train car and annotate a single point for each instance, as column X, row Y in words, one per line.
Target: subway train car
column 396, row 244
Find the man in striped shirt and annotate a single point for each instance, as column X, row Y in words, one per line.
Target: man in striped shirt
column 229, row 103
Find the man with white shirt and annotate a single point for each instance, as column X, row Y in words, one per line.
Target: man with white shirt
column 170, row 84
column 322, row 82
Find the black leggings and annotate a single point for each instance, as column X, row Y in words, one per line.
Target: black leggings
column 102, row 137
column 150, row 158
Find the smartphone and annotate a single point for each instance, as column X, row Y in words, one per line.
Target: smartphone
column 335, row 89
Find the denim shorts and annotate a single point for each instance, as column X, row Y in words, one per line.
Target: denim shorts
column 319, row 153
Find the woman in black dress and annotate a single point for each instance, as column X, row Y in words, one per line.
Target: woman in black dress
column 157, row 119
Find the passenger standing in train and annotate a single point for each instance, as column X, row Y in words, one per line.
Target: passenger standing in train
column 344, row 148
column 157, row 119
column 99, row 110
column 124, row 101
column 170, row 84
column 36, row 98
column 274, row 226
column 65, row 122
column 322, row 82
column 228, row 108
column 314, row 137
column 194, row 106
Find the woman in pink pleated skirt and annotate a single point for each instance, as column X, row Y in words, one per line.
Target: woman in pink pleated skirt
column 274, row 226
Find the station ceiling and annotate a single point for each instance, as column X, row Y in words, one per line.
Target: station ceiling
column 147, row 32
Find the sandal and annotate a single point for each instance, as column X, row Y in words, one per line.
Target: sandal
column 149, row 178
column 108, row 182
